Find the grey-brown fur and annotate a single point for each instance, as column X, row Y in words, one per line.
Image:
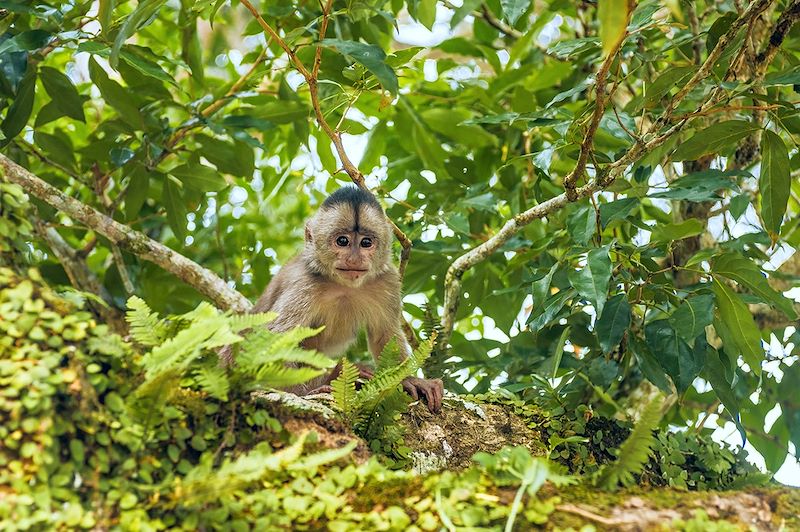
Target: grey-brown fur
column 307, row 291
column 345, row 287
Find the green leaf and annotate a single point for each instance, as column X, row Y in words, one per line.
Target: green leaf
column 441, row 121
column 739, row 333
column 613, row 322
column 670, row 78
column 613, row 18
column 116, row 96
column 714, row 139
column 547, row 312
column 513, row 9
column 616, row 210
column 702, row 186
column 714, row 372
column 426, row 13
column 344, row 389
column 199, row 177
column 592, row 280
column 635, row 451
column 679, row 360
column 692, row 316
column 649, row 365
column 540, row 288
column 104, row 13
column 790, row 400
column 738, row 205
column 120, row 155
column 582, row 224
column 745, row 272
column 140, row 17
column 677, row 231
column 20, row 110
column 138, row 187
column 371, row 57
column 465, row 9
column 64, row 94
column 176, row 209
column 774, row 183
column 26, row 41
column 283, row 111
column 144, row 65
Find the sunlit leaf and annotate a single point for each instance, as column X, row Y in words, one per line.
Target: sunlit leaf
column 775, row 181
column 372, row 57
column 613, row 16
column 740, row 335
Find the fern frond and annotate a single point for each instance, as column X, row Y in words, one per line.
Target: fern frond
column 241, row 322
column 634, row 452
column 430, row 321
column 214, row 381
column 278, row 375
column 263, row 348
column 344, row 389
column 178, row 352
column 391, row 356
column 145, row 326
column 390, row 378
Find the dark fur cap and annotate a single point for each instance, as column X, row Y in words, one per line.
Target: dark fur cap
column 354, row 196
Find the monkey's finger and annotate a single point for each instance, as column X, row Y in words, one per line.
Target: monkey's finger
column 411, row 390
column 436, row 396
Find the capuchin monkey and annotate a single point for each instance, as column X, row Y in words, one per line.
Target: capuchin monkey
column 344, row 279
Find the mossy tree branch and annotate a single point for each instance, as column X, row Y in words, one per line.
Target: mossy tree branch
column 203, row 280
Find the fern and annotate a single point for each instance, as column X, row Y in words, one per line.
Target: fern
column 242, row 322
column 344, row 389
column 214, row 381
column 279, row 375
column 634, row 451
column 391, row 377
column 145, row 326
column 264, row 346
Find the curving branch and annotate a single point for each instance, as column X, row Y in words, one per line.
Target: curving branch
column 597, row 115
column 311, row 79
column 605, row 176
column 203, row 280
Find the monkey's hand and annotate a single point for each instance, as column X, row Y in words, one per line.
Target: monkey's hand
column 431, row 390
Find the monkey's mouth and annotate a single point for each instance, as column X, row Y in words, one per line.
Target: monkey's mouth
column 351, row 273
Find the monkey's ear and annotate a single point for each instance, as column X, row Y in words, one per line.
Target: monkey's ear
column 309, row 239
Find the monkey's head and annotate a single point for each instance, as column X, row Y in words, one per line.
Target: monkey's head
column 349, row 239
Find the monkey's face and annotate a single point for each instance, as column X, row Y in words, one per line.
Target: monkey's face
column 351, row 242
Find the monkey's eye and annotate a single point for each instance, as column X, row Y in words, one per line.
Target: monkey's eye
column 342, row 241
column 366, row 242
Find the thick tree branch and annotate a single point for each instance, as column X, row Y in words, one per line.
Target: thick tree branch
column 202, row 279
column 311, row 78
column 80, row 276
column 785, row 22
